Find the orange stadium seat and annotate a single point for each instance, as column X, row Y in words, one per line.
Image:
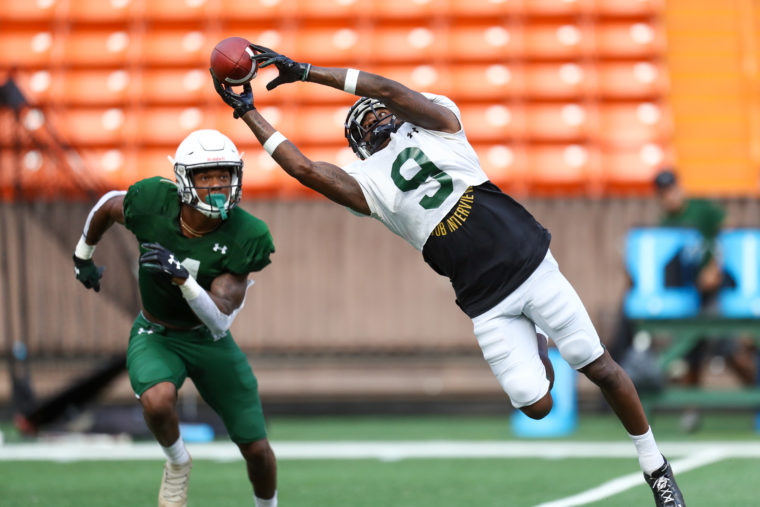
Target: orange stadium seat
column 175, row 86
column 486, row 82
column 395, row 44
column 98, row 47
column 38, row 86
column 259, row 11
column 317, row 125
column 637, row 39
column 632, row 170
column 114, row 165
column 189, row 47
column 563, row 80
column 403, row 9
column 492, row 123
column 629, row 8
column 334, row 9
column 459, row 9
column 562, row 168
column 504, row 163
column 557, row 122
column 626, row 124
column 423, row 77
column 556, row 7
column 93, row 126
column 93, row 87
column 101, row 11
column 482, row 42
column 30, row 11
column 168, row 126
column 179, row 10
column 333, row 45
column 631, row 80
column 557, row 41
column 25, row 48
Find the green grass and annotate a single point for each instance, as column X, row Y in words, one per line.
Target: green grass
column 405, row 483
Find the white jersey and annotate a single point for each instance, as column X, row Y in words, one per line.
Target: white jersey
column 412, row 183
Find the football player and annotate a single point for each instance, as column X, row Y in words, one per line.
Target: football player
column 197, row 250
column 418, row 175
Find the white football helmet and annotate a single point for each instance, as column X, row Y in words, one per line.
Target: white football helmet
column 207, row 149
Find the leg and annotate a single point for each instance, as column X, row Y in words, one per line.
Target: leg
column 262, row 467
column 160, row 413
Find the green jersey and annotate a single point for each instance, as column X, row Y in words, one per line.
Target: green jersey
column 703, row 215
column 242, row 244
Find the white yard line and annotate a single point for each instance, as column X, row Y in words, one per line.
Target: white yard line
column 108, row 449
column 620, row 484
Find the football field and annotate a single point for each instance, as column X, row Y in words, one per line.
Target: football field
column 400, row 461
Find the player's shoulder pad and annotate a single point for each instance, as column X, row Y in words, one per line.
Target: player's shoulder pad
column 150, row 194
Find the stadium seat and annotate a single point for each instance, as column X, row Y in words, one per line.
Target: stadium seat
column 482, row 82
column 740, row 249
column 424, row 77
column 102, row 11
column 630, row 124
column 557, row 41
column 38, row 85
column 561, row 168
column 94, row 87
column 492, row 123
column 88, row 127
column 631, row 80
column 647, row 253
column 316, row 125
column 97, row 47
column 173, row 47
column 562, row 80
column 37, row 12
column 333, row 9
column 167, row 126
column 505, row 164
column 556, row 8
column 463, row 9
column 28, row 48
column 179, row 10
column 629, row 8
column 395, row 44
column 403, row 9
column 557, row 122
column 638, row 39
column 331, row 44
column 481, row 42
column 259, row 11
column 632, row 170
column 191, row 86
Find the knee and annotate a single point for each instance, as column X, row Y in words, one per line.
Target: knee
column 258, row 453
column 604, row 371
column 540, row 409
column 159, row 400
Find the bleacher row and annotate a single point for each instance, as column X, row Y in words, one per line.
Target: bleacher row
column 558, row 96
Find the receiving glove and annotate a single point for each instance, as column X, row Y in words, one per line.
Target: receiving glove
column 88, row 273
column 160, row 260
column 290, row 71
column 241, row 103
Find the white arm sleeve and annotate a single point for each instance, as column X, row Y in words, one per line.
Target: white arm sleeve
column 106, row 197
column 206, row 310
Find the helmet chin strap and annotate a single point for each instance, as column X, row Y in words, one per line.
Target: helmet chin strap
column 218, row 201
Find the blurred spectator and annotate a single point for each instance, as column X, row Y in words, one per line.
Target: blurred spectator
column 701, row 267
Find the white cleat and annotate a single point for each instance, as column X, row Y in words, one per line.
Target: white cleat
column 173, row 492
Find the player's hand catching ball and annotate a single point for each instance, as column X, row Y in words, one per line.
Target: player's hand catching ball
column 290, row 71
column 240, row 103
column 160, row 260
column 88, row 273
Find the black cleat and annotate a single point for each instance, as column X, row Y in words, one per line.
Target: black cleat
column 664, row 487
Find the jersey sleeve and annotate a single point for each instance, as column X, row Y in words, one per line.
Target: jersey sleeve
column 256, row 247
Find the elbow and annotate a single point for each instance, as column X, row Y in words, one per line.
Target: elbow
column 304, row 171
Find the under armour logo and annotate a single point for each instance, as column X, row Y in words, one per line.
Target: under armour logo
column 174, row 261
column 142, row 330
column 76, row 271
column 218, row 248
column 414, row 129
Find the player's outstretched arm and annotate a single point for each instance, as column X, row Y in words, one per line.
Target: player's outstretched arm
column 326, row 178
column 107, row 210
column 405, row 103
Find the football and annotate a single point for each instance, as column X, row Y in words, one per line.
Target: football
column 231, row 61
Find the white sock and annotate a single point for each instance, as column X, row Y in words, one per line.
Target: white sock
column 177, row 453
column 260, row 502
column 650, row 457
